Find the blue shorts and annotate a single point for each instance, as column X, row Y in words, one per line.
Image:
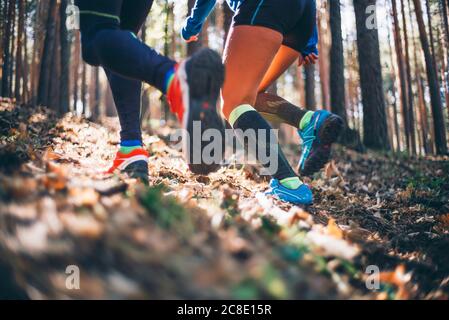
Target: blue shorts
column 295, row 19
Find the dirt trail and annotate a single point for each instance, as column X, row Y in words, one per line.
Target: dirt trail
column 187, row 236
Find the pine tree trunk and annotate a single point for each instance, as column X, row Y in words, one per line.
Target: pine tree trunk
column 394, row 93
column 402, row 74
column 84, row 88
column 7, row 48
column 337, row 64
column 374, row 116
column 19, row 52
column 434, row 86
column 323, row 64
column 309, row 75
column 76, row 70
column 64, row 95
column 49, row 43
column 410, row 111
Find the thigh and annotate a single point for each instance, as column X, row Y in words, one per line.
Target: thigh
column 248, row 54
column 134, row 13
column 284, row 58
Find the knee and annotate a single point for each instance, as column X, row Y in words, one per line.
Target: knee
column 96, row 47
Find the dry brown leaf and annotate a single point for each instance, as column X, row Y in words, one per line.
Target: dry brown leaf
column 83, row 197
column 444, row 219
column 82, row 225
column 334, row 230
column 398, row 278
column 50, row 155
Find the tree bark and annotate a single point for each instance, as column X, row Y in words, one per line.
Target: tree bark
column 374, row 116
column 44, row 78
column 309, row 79
column 337, row 64
column 434, row 86
column 410, row 110
column 7, row 48
column 19, row 52
column 64, row 96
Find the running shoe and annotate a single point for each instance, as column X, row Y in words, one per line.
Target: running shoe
column 301, row 195
column 192, row 96
column 318, row 135
column 135, row 164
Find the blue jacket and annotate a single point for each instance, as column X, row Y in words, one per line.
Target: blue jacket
column 202, row 9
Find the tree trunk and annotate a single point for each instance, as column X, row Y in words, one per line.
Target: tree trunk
column 402, row 74
column 309, row 75
column 410, row 111
column 7, row 48
column 64, row 96
column 323, row 64
column 337, row 64
column 84, row 88
column 374, row 117
column 44, row 78
column 19, row 52
column 76, row 71
column 434, row 86
column 393, row 90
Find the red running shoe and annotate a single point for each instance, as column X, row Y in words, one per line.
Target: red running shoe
column 135, row 164
column 192, row 96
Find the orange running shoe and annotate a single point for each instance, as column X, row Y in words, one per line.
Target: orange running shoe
column 192, row 96
column 135, row 164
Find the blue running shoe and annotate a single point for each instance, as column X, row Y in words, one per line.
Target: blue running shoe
column 318, row 135
column 302, row 195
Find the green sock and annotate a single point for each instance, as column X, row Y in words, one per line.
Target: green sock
column 292, row 183
column 305, row 120
column 128, row 150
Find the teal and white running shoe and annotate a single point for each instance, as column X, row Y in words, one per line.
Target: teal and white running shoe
column 301, row 195
column 318, row 130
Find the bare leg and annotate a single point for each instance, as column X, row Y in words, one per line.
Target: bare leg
column 248, row 55
column 249, row 52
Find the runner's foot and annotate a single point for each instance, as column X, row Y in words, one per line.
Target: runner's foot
column 135, row 164
column 193, row 95
column 318, row 133
column 300, row 195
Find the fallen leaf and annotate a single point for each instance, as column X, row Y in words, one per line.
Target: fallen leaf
column 83, row 197
column 398, row 278
column 334, row 230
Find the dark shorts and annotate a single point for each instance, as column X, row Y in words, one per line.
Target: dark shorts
column 295, row 19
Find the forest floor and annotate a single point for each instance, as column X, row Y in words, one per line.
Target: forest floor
column 188, row 236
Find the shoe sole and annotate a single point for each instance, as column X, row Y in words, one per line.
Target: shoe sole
column 138, row 170
column 328, row 134
column 201, row 78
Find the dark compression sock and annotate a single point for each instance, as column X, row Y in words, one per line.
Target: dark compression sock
column 260, row 142
column 278, row 110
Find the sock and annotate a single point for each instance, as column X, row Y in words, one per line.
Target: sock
column 128, row 146
column 169, row 79
column 278, row 110
column 245, row 117
column 292, row 183
column 305, row 120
